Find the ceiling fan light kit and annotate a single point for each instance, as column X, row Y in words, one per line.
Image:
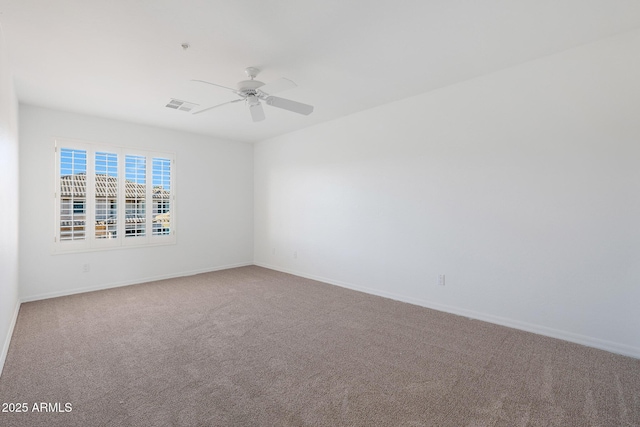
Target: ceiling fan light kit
column 253, row 91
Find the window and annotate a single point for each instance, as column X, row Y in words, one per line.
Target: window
column 73, row 171
column 136, row 197
column 112, row 197
column 106, row 195
column 161, row 175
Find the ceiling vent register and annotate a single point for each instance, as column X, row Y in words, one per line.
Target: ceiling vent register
column 177, row 104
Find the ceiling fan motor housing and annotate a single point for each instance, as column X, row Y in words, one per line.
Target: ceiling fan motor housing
column 249, row 85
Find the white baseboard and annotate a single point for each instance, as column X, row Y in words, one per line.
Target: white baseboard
column 128, row 282
column 609, row 346
column 7, row 340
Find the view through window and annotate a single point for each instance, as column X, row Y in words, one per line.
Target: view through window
column 112, row 196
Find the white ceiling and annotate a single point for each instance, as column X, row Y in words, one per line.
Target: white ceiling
column 123, row 59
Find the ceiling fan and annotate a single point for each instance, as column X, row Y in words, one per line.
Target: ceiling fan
column 253, row 91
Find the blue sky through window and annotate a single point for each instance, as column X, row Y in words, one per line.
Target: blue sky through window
column 72, row 161
column 161, row 172
column 106, row 164
column 135, row 169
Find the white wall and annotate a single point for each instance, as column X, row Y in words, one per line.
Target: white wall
column 8, row 203
column 522, row 186
column 214, row 210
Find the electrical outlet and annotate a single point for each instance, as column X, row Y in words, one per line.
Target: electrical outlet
column 86, row 268
column 273, row 251
column 441, row 279
column 295, row 254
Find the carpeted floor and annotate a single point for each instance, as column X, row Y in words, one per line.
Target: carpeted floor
column 254, row 347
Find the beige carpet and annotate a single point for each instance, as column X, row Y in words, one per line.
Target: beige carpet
column 255, row 347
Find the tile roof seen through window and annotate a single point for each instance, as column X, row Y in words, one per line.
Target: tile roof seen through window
column 106, row 186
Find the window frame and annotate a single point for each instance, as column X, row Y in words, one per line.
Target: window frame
column 91, row 242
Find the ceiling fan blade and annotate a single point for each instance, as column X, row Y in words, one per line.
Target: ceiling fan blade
column 219, row 105
column 214, row 84
column 276, row 86
column 287, row 104
column 257, row 113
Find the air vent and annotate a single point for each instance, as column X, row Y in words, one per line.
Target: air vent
column 177, row 104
